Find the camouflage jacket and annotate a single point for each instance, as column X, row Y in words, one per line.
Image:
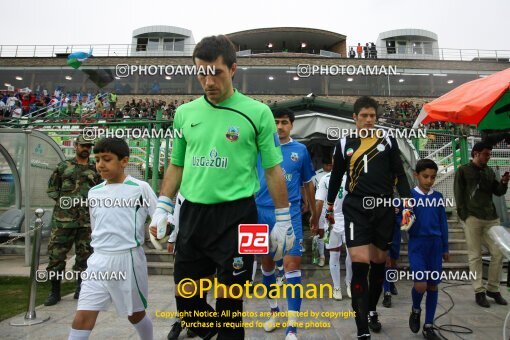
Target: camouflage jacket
column 71, row 180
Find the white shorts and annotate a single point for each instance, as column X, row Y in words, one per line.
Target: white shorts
column 129, row 295
column 335, row 239
column 323, row 224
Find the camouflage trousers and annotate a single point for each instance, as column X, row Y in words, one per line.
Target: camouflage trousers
column 61, row 241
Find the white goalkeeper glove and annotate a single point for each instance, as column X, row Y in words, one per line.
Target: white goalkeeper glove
column 408, row 219
column 164, row 208
column 282, row 236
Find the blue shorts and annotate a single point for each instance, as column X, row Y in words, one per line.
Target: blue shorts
column 426, row 254
column 394, row 252
column 266, row 216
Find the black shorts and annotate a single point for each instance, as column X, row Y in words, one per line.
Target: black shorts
column 367, row 226
column 207, row 242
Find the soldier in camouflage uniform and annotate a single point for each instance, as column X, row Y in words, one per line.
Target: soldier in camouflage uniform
column 70, row 225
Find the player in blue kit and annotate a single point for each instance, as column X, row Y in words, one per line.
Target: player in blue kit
column 428, row 245
column 298, row 171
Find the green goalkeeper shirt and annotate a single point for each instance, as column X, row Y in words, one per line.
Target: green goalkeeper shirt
column 218, row 145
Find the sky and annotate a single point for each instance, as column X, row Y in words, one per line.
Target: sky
column 467, row 24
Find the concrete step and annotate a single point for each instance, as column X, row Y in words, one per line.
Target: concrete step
column 446, row 266
column 453, row 244
column 154, row 255
column 454, row 223
column 456, row 256
column 160, row 268
column 456, row 233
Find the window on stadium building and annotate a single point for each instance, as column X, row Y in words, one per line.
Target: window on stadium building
column 153, row 44
column 179, row 45
column 250, row 80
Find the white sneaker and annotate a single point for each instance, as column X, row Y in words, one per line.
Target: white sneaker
column 348, row 284
column 322, row 261
column 337, row 294
column 270, row 325
column 279, row 280
column 291, row 336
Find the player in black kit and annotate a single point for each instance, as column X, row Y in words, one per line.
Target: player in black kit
column 372, row 162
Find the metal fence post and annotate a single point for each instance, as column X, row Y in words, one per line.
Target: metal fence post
column 454, row 154
column 167, row 147
column 464, row 152
column 147, row 156
column 157, row 146
column 30, row 317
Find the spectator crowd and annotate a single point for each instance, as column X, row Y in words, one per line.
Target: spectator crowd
column 25, row 103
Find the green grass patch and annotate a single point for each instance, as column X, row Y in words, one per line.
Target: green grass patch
column 14, row 292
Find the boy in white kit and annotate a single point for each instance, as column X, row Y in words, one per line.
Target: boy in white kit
column 118, row 207
column 336, row 235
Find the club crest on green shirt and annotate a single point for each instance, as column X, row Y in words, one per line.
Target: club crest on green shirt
column 233, row 133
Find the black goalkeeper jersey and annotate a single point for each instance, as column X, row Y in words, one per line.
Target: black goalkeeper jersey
column 373, row 166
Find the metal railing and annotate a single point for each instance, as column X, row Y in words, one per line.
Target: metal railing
column 98, row 50
column 455, row 54
column 128, row 50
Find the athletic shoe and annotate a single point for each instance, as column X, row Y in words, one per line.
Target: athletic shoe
column 291, row 336
column 280, row 278
column 348, row 285
column 337, row 294
column 175, row 331
column 373, row 322
column 386, row 302
column 393, row 288
column 429, row 334
column 364, row 337
column 270, row 325
column 322, row 261
column 414, row 320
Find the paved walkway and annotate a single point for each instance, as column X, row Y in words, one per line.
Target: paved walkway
column 486, row 323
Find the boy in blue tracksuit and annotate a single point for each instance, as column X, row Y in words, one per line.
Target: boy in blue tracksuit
column 428, row 246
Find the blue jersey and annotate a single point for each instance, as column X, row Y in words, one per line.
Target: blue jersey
column 297, row 169
column 430, row 217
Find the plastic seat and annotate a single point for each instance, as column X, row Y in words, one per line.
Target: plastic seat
column 10, row 222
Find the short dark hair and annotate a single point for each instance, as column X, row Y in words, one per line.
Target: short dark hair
column 210, row 48
column 365, row 102
column 478, row 147
column 327, row 159
column 117, row 146
column 283, row 113
column 424, row 164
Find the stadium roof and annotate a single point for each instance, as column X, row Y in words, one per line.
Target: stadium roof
column 287, row 38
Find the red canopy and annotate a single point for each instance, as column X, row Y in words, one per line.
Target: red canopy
column 468, row 103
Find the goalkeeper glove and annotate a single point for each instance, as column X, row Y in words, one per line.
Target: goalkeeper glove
column 282, row 236
column 408, row 219
column 164, row 208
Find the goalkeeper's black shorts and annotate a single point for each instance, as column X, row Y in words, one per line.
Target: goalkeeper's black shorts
column 365, row 226
column 207, row 242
